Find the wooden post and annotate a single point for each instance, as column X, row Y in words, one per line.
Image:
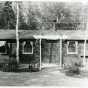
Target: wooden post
column 60, row 52
column 51, row 48
column 17, row 35
column 84, row 57
column 40, row 54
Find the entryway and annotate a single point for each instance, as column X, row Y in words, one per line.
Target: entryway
column 50, row 53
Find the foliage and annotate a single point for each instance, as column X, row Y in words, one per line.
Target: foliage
column 40, row 15
column 73, row 70
column 8, row 18
column 68, row 15
column 72, row 64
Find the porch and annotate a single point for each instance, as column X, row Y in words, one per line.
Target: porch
column 52, row 36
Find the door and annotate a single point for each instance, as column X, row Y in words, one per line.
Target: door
column 50, row 52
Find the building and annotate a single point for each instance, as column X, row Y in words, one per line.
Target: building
column 68, row 45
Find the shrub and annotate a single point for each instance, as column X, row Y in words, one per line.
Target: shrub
column 73, row 64
column 74, row 69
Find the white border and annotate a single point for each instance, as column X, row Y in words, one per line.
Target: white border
column 31, row 42
column 76, row 52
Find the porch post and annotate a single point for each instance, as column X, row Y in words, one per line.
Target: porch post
column 40, row 55
column 84, row 58
column 60, row 52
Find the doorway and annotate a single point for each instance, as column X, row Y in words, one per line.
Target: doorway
column 50, row 53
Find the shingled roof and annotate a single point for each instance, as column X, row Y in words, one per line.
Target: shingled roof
column 45, row 34
column 65, row 34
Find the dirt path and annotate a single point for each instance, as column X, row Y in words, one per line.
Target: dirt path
column 46, row 77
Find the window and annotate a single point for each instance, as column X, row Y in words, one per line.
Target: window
column 27, row 47
column 72, row 47
column 3, row 49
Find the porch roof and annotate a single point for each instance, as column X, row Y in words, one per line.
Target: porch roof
column 54, row 35
column 7, row 34
column 73, row 34
column 45, row 34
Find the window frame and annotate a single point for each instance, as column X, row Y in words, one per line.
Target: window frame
column 76, row 48
column 23, row 52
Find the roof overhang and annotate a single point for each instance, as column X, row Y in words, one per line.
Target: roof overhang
column 48, row 37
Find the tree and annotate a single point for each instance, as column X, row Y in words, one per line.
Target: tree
column 44, row 13
column 8, row 18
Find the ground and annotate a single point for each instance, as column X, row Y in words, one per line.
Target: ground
column 50, row 76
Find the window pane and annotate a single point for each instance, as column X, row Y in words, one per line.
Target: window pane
column 27, row 47
column 2, row 47
column 72, row 46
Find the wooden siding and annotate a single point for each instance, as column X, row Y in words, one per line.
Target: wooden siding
column 10, row 57
column 30, row 58
column 69, row 58
column 50, row 51
column 81, row 47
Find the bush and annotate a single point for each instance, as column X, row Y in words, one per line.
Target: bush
column 75, row 69
column 73, row 65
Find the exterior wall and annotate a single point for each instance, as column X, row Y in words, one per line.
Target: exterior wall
column 81, row 46
column 30, row 58
column 7, row 58
column 51, row 51
column 4, row 59
column 10, row 57
column 24, row 58
column 73, row 58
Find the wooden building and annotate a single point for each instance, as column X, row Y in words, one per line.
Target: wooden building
column 35, row 46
